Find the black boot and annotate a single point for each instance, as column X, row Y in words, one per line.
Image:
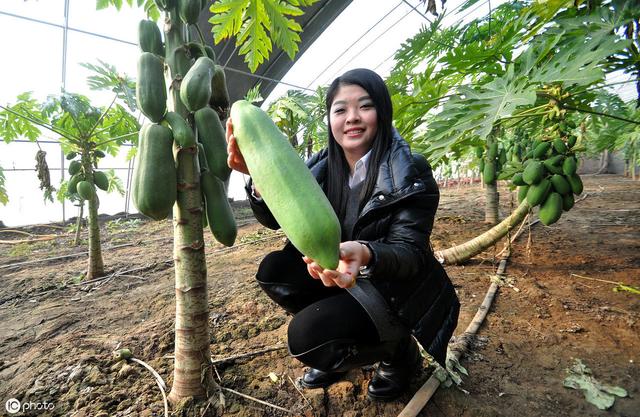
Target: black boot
column 392, row 377
column 315, row 378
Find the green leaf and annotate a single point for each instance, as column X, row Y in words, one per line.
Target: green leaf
column 227, row 18
column 4, row 198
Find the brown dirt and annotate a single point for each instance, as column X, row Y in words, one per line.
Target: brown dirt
column 57, row 334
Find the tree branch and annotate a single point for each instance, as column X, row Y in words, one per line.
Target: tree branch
column 102, row 116
column 597, row 113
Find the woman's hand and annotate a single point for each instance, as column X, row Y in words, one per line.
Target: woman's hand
column 353, row 255
column 235, row 160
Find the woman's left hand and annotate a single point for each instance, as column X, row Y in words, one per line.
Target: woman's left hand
column 352, row 256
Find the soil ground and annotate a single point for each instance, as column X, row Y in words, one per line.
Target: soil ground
column 57, row 332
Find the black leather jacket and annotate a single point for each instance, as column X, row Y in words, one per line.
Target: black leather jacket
column 397, row 222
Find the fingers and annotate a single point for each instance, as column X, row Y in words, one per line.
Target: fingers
column 338, row 279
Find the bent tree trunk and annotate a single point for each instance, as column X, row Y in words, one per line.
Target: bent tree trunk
column 464, row 252
column 192, row 355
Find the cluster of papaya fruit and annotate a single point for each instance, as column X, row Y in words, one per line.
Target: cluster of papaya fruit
column 549, row 177
column 82, row 183
column 204, row 100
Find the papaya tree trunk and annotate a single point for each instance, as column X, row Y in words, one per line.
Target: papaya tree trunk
column 76, row 240
column 192, row 354
column 604, row 162
column 492, row 198
column 96, row 267
column 464, row 252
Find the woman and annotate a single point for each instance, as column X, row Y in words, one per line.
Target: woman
column 388, row 285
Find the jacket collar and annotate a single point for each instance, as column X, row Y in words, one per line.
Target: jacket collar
column 398, row 176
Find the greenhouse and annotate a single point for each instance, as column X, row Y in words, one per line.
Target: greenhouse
column 320, row 208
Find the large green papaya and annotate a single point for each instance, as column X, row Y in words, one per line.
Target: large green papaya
column 551, row 209
column 287, row 186
column 569, row 166
column 149, row 37
column 75, row 167
column 154, row 177
column 212, row 136
column 538, row 192
column 576, row 183
column 219, row 93
column 218, row 210
column 189, row 10
column 85, row 190
column 560, row 184
column 533, row 172
column 195, row 89
column 101, row 180
column 489, row 173
column 150, row 88
column 541, row 150
column 72, row 185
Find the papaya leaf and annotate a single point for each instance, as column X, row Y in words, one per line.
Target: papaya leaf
column 601, row 395
column 115, row 183
column 627, row 288
column 256, row 23
column 108, row 78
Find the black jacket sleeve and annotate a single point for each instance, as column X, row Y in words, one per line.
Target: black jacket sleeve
column 260, row 209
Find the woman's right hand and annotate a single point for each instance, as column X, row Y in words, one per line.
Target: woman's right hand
column 235, row 160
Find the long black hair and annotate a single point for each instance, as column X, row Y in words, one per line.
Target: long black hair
column 338, row 168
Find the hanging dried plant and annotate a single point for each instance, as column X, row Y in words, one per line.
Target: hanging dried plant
column 43, row 175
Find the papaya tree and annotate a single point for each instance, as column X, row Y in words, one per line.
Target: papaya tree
column 182, row 166
column 86, row 134
column 539, row 91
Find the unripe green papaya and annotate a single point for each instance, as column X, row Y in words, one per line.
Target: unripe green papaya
column 71, row 155
column 219, row 213
column 559, row 145
column 522, row 192
column 502, row 157
column 149, row 38
column 551, row 209
column 569, row 166
column 489, row 173
column 541, row 150
column 567, row 202
column 150, row 88
column 287, row 186
column 560, row 184
column 180, row 61
column 98, row 153
column 195, row 90
column 212, row 135
column 533, row 172
column 196, row 49
column 202, row 159
column 74, row 167
column 210, row 53
column 551, row 167
column 86, row 190
column 517, row 179
column 182, row 133
column 571, row 141
column 479, row 151
column 155, row 185
column 492, row 152
column 538, row 192
column 100, row 180
column 219, row 93
column 189, row 10
column 576, row 183
column 72, row 185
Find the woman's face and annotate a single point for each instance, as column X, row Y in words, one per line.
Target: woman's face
column 353, row 120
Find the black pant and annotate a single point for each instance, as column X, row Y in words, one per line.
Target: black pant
column 330, row 330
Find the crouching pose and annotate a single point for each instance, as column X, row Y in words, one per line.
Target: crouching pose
column 388, row 288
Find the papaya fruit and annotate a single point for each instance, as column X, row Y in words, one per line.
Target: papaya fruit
column 489, row 173
column 195, row 90
column 71, row 155
column 571, row 141
column 479, row 151
column 74, row 167
column 287, row 186
column 551, row 167
column 218, row 210
column 180, row 61
column 517, row 179
column 182, row 132
column 538, row 192
column 576, row 183
column 540, row 151
column 559, row 145
column 154, row 177
column 72, row 185
column 149, row 37
column 212, row 136
column 522, row 192
column 86, row 190
column 569, row 166
column 492, row 151
column 219, row 93
column 560, row 184
column 567, row 202
column 533, row 172
column 189, row 10
column 551, row 209
column 210, row 53
column 100, row 180
column 151, row 93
